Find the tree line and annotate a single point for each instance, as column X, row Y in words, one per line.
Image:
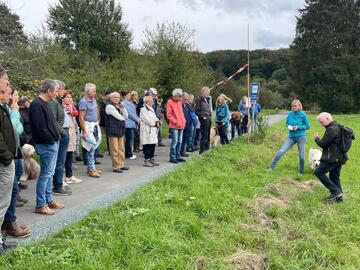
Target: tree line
column 87, row 41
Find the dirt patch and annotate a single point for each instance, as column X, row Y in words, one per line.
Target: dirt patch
column 201, row 263
column 288, row 189
column 248, row 261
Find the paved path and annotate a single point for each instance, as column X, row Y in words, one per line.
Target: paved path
column 95, row 193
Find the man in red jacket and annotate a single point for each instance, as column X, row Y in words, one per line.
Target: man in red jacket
column 177, row 123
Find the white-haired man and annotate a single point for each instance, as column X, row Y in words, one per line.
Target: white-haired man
column 332, row 157
column 90, row 129
column 203, row 111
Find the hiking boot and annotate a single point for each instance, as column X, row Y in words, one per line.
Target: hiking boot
column 153, row 162
column 118, row 170
column 147, row 163
column 55, row 205
column 21, row 199
column 181, row 159
column 11, row 228
column 5, row 246
column 45, row 210
column 94, row 174
column 63, row 191
column 173, row 160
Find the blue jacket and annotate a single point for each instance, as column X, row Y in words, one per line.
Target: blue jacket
column 190, row 115
column 242, row 108
column 299, row 119
column 131, row 121
column 222, row 114
column 257, row 109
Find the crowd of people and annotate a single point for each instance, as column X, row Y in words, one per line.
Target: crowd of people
column 58, row 129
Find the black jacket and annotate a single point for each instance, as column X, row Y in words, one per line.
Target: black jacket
column 26, row 136
column 203, row 108
column 42, row 122
column 330, row 143
column 7, row 138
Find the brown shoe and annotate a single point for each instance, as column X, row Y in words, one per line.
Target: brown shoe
column 11, row 228
column 55, row 205
column 99, row 172
column 94, row 174
column 45, row 210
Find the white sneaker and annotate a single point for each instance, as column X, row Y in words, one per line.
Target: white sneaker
column 65, row 183
column 72, row 180
column 133, row 157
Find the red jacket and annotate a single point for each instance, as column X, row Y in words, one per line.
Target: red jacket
column 175, row 114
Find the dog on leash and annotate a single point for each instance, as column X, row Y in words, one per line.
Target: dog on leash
column 314, row 157
column 31, row 167
column 214, row 137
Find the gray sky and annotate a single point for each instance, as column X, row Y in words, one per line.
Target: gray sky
column 218, row 24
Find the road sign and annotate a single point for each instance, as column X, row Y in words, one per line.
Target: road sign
column 254, row 91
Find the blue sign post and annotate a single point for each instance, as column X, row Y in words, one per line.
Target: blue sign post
column 254, row 91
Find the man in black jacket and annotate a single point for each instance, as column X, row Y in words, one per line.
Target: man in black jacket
column 203, row 110
column 332, row 157
column 7, row 150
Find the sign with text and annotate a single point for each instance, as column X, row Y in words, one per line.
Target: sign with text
column 254, row 91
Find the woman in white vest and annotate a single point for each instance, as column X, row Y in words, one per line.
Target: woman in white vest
column 149, row 126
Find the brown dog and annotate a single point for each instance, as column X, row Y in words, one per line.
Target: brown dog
column 214, row 137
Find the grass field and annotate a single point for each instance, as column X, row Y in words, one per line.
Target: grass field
column 221, row 210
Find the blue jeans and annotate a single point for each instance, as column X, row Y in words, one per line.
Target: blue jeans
column 60, row 162
column 190, row 139
column 176, row 139
column 300, row 141
column 90, row 159
column 10, row 213
column 48, row 157
column 186, row 134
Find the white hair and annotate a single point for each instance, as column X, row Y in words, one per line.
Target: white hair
column 185, row 95
column 89, row 86
column 177, row 92
column 61, row 84
column 324, row 115
column 205, row 88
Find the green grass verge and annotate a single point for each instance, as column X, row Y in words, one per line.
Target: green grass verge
column 200, row 215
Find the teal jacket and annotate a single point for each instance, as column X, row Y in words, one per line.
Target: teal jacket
column 222, row 114
column 299, row 119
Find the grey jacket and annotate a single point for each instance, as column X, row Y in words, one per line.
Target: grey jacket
column 59, row 114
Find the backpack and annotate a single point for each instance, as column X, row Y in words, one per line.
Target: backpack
column 347, row 136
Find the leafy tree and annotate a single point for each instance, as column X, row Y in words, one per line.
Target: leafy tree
column 94, row 25
column 176, row 63
column 325, row 65
column 11, row 29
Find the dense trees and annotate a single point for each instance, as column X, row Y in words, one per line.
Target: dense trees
column 325, row 66
column 94, row 25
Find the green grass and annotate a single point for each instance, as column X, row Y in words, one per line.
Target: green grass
column 198, row 216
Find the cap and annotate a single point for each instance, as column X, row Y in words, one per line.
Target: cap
column 153, row 91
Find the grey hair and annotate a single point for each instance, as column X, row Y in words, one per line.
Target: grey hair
column 191, row 96
column 177, row 92
column 205, row 88
column 88, row 86
column 324, row 115
column 61, row 84
column 49, row 85
column 185, row 95
column 114, row 94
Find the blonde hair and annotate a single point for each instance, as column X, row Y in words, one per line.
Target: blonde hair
column 147, row 98
column 297, row 102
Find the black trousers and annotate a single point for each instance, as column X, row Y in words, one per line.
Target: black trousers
column 244, row 124
column 332, row 183
column 205, row 126
column 235, row 125
column 149, row 151
column 223, row 130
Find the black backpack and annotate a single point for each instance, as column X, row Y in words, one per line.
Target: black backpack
column 347, row 136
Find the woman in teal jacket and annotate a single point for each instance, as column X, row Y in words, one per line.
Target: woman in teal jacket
column 222, row 119
column 297, row 123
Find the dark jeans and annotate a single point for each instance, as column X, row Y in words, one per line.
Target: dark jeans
column 223, row 133
column 85, row 154
column 60, row 162
column 235, row 125
column 332, row 183
column 205, row 126
column 68, row 164
column 10, row 213
column 244, row 124
column 196, row 136
column 136, row 139
column 129, row 135
column 186, row 135
column 149, row 151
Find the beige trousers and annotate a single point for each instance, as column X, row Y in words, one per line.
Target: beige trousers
column 117, row 151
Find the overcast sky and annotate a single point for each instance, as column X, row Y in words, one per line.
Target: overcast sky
column 218, row 24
